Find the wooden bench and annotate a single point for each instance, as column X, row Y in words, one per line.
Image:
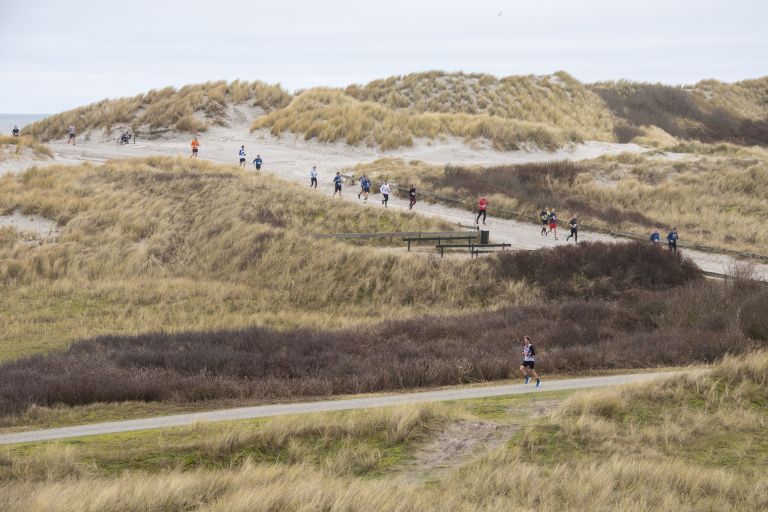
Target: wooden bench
column 439, row 239
column 474, row 248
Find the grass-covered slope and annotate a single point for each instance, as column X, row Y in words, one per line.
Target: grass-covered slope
column 709, row 111
column 166, row 244
column 189, row 109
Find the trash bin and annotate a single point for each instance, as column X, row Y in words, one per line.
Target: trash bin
column 484, row 236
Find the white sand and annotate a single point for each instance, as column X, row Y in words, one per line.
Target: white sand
column 292, row 157
column 32, row 228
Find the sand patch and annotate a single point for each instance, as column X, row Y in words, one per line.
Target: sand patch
column 32, row 229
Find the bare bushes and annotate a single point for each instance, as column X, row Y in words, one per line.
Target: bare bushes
column 598, row 269
column 695, row 322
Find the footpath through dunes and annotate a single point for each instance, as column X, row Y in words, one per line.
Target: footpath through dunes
column 342, row 404
column 292, row 158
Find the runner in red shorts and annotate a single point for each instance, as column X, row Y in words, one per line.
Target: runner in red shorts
column 553, row 223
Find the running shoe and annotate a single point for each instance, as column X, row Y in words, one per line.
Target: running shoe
column 538, row 382
column 527, row 379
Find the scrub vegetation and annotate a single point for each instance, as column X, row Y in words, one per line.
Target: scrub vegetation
column 646, row 310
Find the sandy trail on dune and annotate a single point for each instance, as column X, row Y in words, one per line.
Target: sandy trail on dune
column 292, row 158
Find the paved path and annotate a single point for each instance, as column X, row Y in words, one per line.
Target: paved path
column 263, row 411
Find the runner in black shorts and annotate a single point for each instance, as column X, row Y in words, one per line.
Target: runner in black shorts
column 528, row 364
column 337, row 184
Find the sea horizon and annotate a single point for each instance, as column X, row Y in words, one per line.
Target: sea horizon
column 8, row 120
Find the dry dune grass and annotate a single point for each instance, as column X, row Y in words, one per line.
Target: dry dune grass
column 330, row 115
column 342, row 443
column 163, row 243
column 189, row 109
column 15, row 146
column 691, row 444
column 557, row 100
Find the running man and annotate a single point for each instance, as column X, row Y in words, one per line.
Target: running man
column 672, row 238
column 195, row 146
column 71, row 131
column 337, row 181
column 385, row 192
column 655, row 237
column 366, row 187
column 528, row 364
column 544, row 216
column 553, row 223
column 15, row 131
column 313, row 177
column 257, row 162
column 482, row 207
column 242, row 156
column 412, row 196
column 574, row 223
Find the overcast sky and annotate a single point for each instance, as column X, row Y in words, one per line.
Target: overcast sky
column 58, row 54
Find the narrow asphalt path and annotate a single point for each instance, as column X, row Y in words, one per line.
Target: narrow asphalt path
column 263, row 411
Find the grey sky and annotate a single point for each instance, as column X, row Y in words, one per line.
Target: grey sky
column 58, row 54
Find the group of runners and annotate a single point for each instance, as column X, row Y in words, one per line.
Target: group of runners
column 548, row 217
column 672, row 238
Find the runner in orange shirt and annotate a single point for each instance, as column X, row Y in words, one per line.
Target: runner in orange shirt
column 195, row 145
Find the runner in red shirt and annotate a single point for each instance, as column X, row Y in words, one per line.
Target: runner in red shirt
column 482, row 206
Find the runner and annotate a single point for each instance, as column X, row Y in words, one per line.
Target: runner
column 15, row 131
column 313, row 177
column 366, row 187
column 242, row 156
column 337, row 180
column 672, row 240
column 195, row 145
column 655, row 237
column 544, row 216
column 482, row 206
column 360, row 181
column 71, row 131
column 574, row 223
column 553, row 223
column 412, row 196
column 257, row 162
column 529, row 358
column 385, row 192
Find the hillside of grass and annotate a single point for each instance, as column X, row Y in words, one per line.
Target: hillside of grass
column 709, row 111
column 685, row 444
column 167, row 244
column 716, row 197
column 191, row 108
column 608, row 307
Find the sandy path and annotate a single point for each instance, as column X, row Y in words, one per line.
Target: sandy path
column 264, row 411
column 292, row 157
